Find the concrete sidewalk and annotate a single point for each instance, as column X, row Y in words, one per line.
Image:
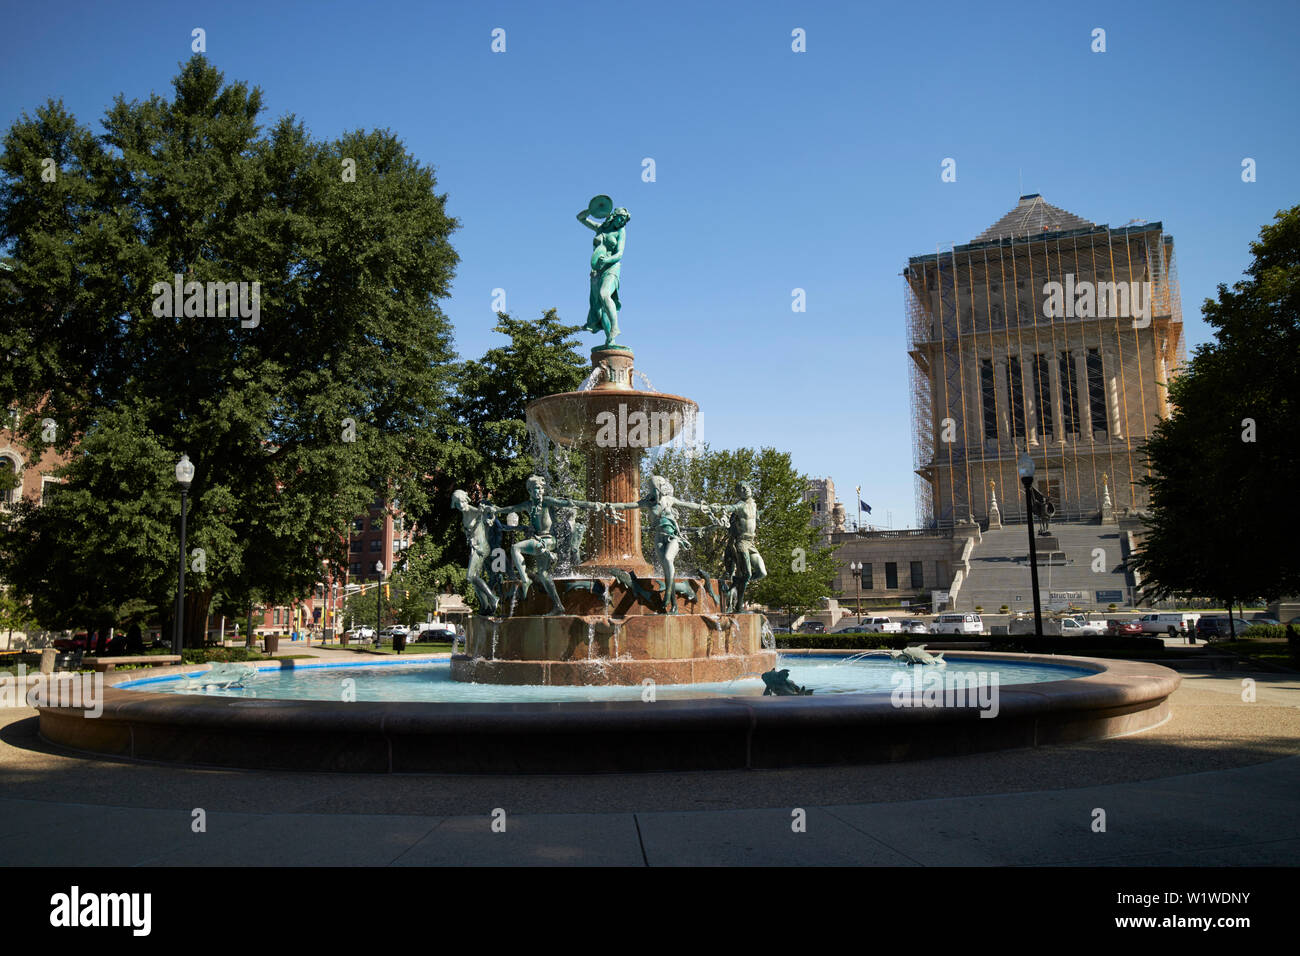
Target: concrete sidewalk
column 1218, row 784
column 1244, row 817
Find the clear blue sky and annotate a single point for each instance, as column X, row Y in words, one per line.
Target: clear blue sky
column 775, row 169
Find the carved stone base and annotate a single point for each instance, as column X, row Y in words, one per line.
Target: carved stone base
column 573, row 649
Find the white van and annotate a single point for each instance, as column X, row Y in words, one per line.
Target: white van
column 957, row 624
column 1170, row 623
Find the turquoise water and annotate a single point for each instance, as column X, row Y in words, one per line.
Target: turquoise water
column 430, row 681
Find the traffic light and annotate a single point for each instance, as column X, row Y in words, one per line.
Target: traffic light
column 388, row 592
column 406, row 595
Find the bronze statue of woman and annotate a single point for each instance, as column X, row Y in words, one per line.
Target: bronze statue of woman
column 606, row 257
column 661, row 505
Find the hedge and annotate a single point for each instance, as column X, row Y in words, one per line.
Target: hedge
column 1017, row 643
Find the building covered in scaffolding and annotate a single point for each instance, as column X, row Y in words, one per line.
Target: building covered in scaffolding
column 1046, row 334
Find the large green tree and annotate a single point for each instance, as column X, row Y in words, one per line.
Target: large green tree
column 800, row 566
column 337, row 393
column 1224, row 465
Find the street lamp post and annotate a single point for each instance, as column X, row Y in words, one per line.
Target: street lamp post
column 856, row 568
column 1025, row 468
column 184, row 476
column 379, row 601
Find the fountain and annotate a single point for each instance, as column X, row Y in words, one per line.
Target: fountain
column 615, row 595
column 668, row 630
column 548, row 677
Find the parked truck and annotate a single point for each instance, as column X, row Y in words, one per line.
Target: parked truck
column 1171, row 623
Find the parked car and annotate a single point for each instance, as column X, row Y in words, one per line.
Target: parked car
column 75, row 643
column 848, row 626
column 1090, row 626
column 957, row 624
column 1265, row 620
column 361, row 633
column 913, row 625
column 1124, row 628
column 1214, row 627
column 435, row 635
column 781, row 630
column 812, row 627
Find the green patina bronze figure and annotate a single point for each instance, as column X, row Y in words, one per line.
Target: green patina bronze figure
column 660, row 504
column 606, row 257
column 742, row 563
column 540, row 544
column 777, row 683
column 475, row 523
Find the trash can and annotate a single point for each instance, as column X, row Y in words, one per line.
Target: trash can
column 272, row 644
column 399, row 643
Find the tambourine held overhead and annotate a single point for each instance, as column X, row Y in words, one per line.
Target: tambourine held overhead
column 600, row 207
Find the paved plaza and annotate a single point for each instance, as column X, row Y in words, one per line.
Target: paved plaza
column 1217, row 784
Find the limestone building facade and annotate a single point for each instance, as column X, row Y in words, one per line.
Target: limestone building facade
column 1046, row 334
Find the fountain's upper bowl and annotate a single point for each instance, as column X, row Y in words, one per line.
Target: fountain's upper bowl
column 611, row 418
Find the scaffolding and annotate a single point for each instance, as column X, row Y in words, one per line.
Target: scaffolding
column 1049, row 335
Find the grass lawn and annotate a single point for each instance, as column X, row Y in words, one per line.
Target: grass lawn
column 429, row 648
column 1268, row 650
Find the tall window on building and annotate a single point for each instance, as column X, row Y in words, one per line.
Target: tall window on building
column 376, row 544
column 9, row 490
column 988, row 396
column 918, row 576
column 1016, row 390
column 866, row 577
column 1096, row 391
column 891, row 575
column 356, row 545
column 49, row 488
column 1069, row 396
column 1043, row 389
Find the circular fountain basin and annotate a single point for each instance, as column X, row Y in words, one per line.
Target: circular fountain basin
column 860, row 713
column 638, row 419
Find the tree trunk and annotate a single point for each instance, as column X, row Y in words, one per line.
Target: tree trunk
column 194, row 633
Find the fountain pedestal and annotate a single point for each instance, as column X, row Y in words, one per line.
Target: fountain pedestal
column 625, row 643
column 613, row 629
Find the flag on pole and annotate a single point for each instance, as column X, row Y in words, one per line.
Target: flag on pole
column 864, row 506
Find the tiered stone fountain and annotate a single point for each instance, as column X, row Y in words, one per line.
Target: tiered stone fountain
column 614, row 629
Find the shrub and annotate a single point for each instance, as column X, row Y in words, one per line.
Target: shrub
column 848, row 642
column 219, row 655
column 1260, row 631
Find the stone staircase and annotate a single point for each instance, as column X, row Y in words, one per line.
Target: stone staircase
column 999, row 569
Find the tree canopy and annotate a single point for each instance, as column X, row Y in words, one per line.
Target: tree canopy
column 487, row 449
column 1223, row 510
column 800, row 565
column 295, row 416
